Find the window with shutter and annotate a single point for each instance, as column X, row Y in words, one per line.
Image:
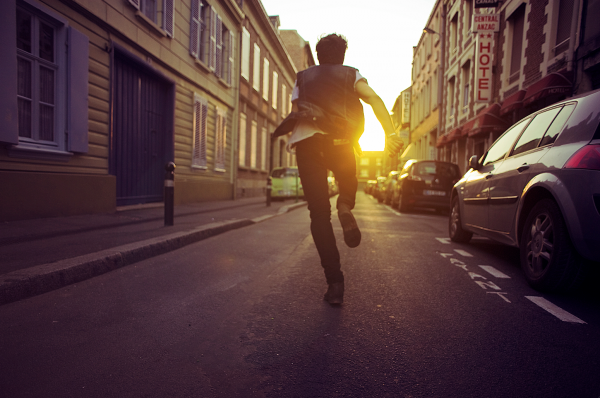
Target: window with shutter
column 219, row 48
column 266, row 78
column 220, row 139
column 265, row 149
column 283, row 99
column 200, row 128
column 46, row 108
column 253, row 132
column 256, row 68
column 195, row 26
column 213, row 40
column 275, row 88
column 169, row 17
column 245, row 72
column 242, row 148
column 229, row 78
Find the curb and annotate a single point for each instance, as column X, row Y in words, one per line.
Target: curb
column 43, row 278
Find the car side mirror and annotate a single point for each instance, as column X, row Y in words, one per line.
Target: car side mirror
column 474, row 162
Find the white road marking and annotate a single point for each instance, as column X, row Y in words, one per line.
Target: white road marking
column 494, row 272
column 554, row 309
column 463, row 253
column 445, row 241
column 501, row 295
column 446, row 254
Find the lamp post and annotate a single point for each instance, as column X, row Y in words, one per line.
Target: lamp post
column 442, row 66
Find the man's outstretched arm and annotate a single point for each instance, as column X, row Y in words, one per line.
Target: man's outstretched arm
column 392, row 142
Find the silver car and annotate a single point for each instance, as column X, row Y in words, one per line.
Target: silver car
column 538, row 188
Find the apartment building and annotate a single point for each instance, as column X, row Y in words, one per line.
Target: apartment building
column 298, row 48
column 99, row 95
column 267, row 78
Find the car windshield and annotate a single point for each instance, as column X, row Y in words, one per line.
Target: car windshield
column 279, row 173
column 436, row 169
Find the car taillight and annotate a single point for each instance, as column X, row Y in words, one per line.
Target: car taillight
column 587, row 157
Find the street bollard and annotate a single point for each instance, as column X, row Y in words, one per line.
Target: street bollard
column 269, row 187
column 169, row 193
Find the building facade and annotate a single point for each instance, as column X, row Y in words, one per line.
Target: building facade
column 99, row 96
column 267, row 78
column 494, row 66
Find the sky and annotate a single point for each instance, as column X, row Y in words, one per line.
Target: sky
column 381, row 35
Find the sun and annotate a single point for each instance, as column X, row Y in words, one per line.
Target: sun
column 373, row 139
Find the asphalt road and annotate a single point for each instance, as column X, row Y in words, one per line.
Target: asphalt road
column 241, row 315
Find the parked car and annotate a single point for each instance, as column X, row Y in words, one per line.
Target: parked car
column 425, row 183
column 285, row 181
column 388, row 187
column 378, row 187
column 538, row 188
column 369, row 186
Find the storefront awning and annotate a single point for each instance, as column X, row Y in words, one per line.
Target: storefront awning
column 486, row 121
column 513, row 102
column 455, row 134
column 441, row 141
column 553, row 84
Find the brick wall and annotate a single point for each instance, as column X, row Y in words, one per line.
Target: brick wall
column 536, row 38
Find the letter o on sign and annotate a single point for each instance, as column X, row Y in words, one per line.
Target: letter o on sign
column 484, row 59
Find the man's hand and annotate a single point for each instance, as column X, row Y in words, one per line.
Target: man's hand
column 393, row 144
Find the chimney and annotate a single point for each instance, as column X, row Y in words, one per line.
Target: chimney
column 274, row 19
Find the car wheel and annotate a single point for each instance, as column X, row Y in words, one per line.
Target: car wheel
column 548, row 258
column 403, row 205
column 394, row 202
column 455, row 229
column 379, row 198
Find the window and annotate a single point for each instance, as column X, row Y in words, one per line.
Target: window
column 246, row 54
column 275, row 87
column 501, row 147
column 557, row 125
column 364, row 161
column 563, row 26
column 199, row 32
column 43, row 101
column 451, row 96
column 256, row 68
column 242, row 152
column 535, row 130
column 266, row 79
column 220, row 139
column 265, row 148
column 155, row 10
column 283, row 98
column 200, row 129
column 516, row 22
column 468, row 16
column 289, row 103
column 466, row 76
column 253, row 132
column 454, row 33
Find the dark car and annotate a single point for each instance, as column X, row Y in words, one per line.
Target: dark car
column 387, row 190
column 377, row 188
column 425, row 183
column 538, row 188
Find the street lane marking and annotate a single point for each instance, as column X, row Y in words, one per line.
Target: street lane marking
column 446, row 254
column 494, row 272
column 554, row 310
column 445, row 241
column 463, row 253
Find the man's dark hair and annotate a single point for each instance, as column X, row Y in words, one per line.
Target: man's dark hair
column 331, row 49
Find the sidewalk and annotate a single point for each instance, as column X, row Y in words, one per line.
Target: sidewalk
column 37, row 256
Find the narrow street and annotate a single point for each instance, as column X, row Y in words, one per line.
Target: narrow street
column 241, row 315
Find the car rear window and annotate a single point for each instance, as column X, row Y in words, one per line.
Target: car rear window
column 280, row 173
column 436, row 169
column 557, row 125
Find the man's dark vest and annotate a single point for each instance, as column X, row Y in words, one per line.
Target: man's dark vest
column 327, row 97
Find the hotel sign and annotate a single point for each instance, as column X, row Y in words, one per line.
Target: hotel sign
column 483, row 65
column 486, row 23
column 405, row 107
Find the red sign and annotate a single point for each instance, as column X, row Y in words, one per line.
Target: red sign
column 483, row 65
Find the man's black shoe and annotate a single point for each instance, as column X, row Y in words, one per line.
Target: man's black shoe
column 335, row 293
column 351, row 232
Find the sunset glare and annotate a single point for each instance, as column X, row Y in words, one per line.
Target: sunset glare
column 380, row 37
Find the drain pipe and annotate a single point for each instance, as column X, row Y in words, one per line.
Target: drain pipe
column 574, row 20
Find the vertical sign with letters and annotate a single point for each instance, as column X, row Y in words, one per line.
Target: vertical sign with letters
column 406, row 107
column 483, row 65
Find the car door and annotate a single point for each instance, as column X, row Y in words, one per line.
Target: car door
column 476, row 187
column 507, row 182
